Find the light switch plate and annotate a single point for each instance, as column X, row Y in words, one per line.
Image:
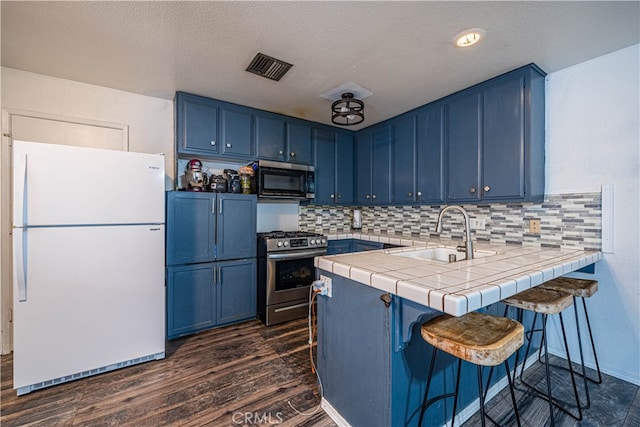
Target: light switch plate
column 534, row 226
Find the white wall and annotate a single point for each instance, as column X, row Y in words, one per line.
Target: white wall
column 593, row 138
column 150, row 120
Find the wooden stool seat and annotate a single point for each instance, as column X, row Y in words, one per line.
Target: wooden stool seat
column 475, row 337
column 581, row 288
column 539, row 300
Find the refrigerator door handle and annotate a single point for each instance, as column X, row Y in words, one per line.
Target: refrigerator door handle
column 20, row 192
column 20, row 262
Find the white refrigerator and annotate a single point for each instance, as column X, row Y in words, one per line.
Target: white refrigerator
column 88, row 262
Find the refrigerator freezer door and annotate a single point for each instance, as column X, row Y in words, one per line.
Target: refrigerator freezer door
column 95, row 297
column 65, row 185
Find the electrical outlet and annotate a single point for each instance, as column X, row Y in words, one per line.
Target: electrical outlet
column 327, row 284
column 477, row 223
column 319, row 220
column 534, row 226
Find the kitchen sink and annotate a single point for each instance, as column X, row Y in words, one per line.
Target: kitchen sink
column 440, row 254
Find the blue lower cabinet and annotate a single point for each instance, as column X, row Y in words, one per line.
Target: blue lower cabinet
column 236, row 290
column 206, row 295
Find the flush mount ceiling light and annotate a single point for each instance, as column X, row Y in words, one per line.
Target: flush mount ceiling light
column 468, row 37
column 347, row 111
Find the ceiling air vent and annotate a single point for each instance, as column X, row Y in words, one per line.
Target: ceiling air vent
column 266, row 66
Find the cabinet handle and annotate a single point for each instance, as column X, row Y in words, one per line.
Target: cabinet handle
column 280, row 152
column 228, row 145
column 373, row 197
column 486, row 188
column 409, row 194
column 213, row 206
column 472, row 190
column 339, row 196
column 292, row 154
column 332, row 196
column 368, row 196
column 220, row 204
column 419, row 193
column 213, row 143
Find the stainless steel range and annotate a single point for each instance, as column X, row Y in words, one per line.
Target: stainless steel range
column 285, row 273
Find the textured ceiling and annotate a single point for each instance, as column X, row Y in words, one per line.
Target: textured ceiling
column 400, row 51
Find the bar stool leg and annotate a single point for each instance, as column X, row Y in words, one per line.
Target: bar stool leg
column 573, row 378
column 426, row 390
column 593, row 345
column 426, row 403
column 480, row 396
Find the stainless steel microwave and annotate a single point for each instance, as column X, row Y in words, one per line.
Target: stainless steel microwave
column 285, row 180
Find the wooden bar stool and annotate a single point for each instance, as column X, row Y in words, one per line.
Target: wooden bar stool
column 545, row 302
column 579, row 288
column 478, row 338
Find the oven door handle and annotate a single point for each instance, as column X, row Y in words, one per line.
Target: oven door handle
column 297, row 255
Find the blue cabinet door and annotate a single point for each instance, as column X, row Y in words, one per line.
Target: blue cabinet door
column 190, row 227
column 344, row 168
column 364, row 149
column 464, row 134
column 299, row 145
column 404, row 158
column 325, row 166
column 381, row 165
column 197, row 125
column 430, row 155
column 237, row 132
column 373, row 165
column 503, row 142
column 236, row 290
column 270, row 137
column 236, row 217
column 191, row 296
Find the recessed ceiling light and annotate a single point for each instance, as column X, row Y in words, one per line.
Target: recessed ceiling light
column 468, row 37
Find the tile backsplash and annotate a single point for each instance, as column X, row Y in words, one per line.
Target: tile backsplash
column 567, row 221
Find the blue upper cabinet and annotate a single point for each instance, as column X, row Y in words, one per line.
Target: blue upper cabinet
column 236, row 226
column 373, row 165
column 495, row 139
column 430, row 154
column 299, row 145
column 283, row 140
column 190, row 227
column 237, row 132
column 204, row 227
column 270, row 137
column 418, row 156
column 464, row 133
column 197, row 125
column 334, row 157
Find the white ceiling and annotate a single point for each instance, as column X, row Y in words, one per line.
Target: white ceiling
column 400, row 51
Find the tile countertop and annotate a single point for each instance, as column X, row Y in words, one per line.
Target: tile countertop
column 457, row 288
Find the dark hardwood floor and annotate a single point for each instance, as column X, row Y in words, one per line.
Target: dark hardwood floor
column 246, row 375
column 237, row 375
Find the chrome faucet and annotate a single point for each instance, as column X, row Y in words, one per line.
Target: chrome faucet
column 467, row 227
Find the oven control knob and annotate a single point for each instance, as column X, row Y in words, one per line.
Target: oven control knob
column 279, row 244
column 324, row 241
column 313, row 242
column 286, row 243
